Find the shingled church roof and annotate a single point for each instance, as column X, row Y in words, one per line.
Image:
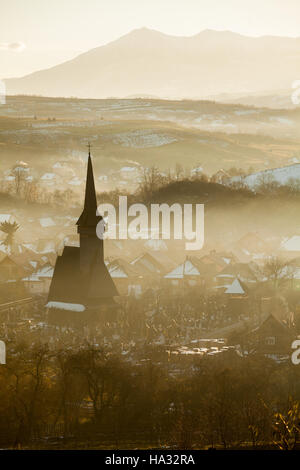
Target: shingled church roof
column 69, row 286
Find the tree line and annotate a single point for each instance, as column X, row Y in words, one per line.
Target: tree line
column 93, row 398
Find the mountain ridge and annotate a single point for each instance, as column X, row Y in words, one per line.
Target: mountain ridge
column 146, row 61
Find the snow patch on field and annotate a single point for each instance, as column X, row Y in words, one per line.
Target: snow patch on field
column 142, row 139
column 47, row 222
column 291, row 244
column 66, row 306
column 245, row 112
column 41, row 125
column 281, row 176
column 220, row 123
column 282, row 120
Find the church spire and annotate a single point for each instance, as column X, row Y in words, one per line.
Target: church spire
column 88, row 216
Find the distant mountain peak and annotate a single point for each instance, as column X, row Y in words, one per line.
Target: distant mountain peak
column 144, row 32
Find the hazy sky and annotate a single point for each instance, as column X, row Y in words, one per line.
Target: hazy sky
column 35, row 34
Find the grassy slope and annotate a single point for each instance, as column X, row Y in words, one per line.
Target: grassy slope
column 193, row 147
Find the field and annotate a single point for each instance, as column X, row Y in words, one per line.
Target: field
column 147, row 132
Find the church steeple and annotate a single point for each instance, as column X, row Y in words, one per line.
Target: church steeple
column 88, row 217
column 80, row 274
column 91, row 247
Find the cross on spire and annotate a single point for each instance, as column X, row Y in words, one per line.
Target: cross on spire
column 89, row 147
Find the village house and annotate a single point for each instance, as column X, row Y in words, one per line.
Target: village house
column 128, row 279
column 196, row 172
column 129, row 172
column 220, row 177
column 219, row 259
column 272, row 338
column 156, row 245
column 63, row 168
column 152, row 265
column 48, row 179
column 38, row 282
column 11, row 267
column 251, row 247
column 235, row 283
column 214, row 263
column 189, row 273
column 241, row 271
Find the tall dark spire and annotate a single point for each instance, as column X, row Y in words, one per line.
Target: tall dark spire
column 88, row 217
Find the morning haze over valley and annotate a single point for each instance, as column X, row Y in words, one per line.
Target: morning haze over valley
column 149, row 226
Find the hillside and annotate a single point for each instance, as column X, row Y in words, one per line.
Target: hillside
column 205, row 115
column 229, row 212
column 147, row 132
column 277, row 99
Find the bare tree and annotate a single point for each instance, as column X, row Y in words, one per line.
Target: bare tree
column 278, row 271
column 287, row 428
column 10, row 229
column 19, row 174
column 151, row 180
column 30, row 378
column 179, row 171
column 31, row 191
column 267, row 183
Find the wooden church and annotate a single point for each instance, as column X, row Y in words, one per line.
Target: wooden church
column 82, row 291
